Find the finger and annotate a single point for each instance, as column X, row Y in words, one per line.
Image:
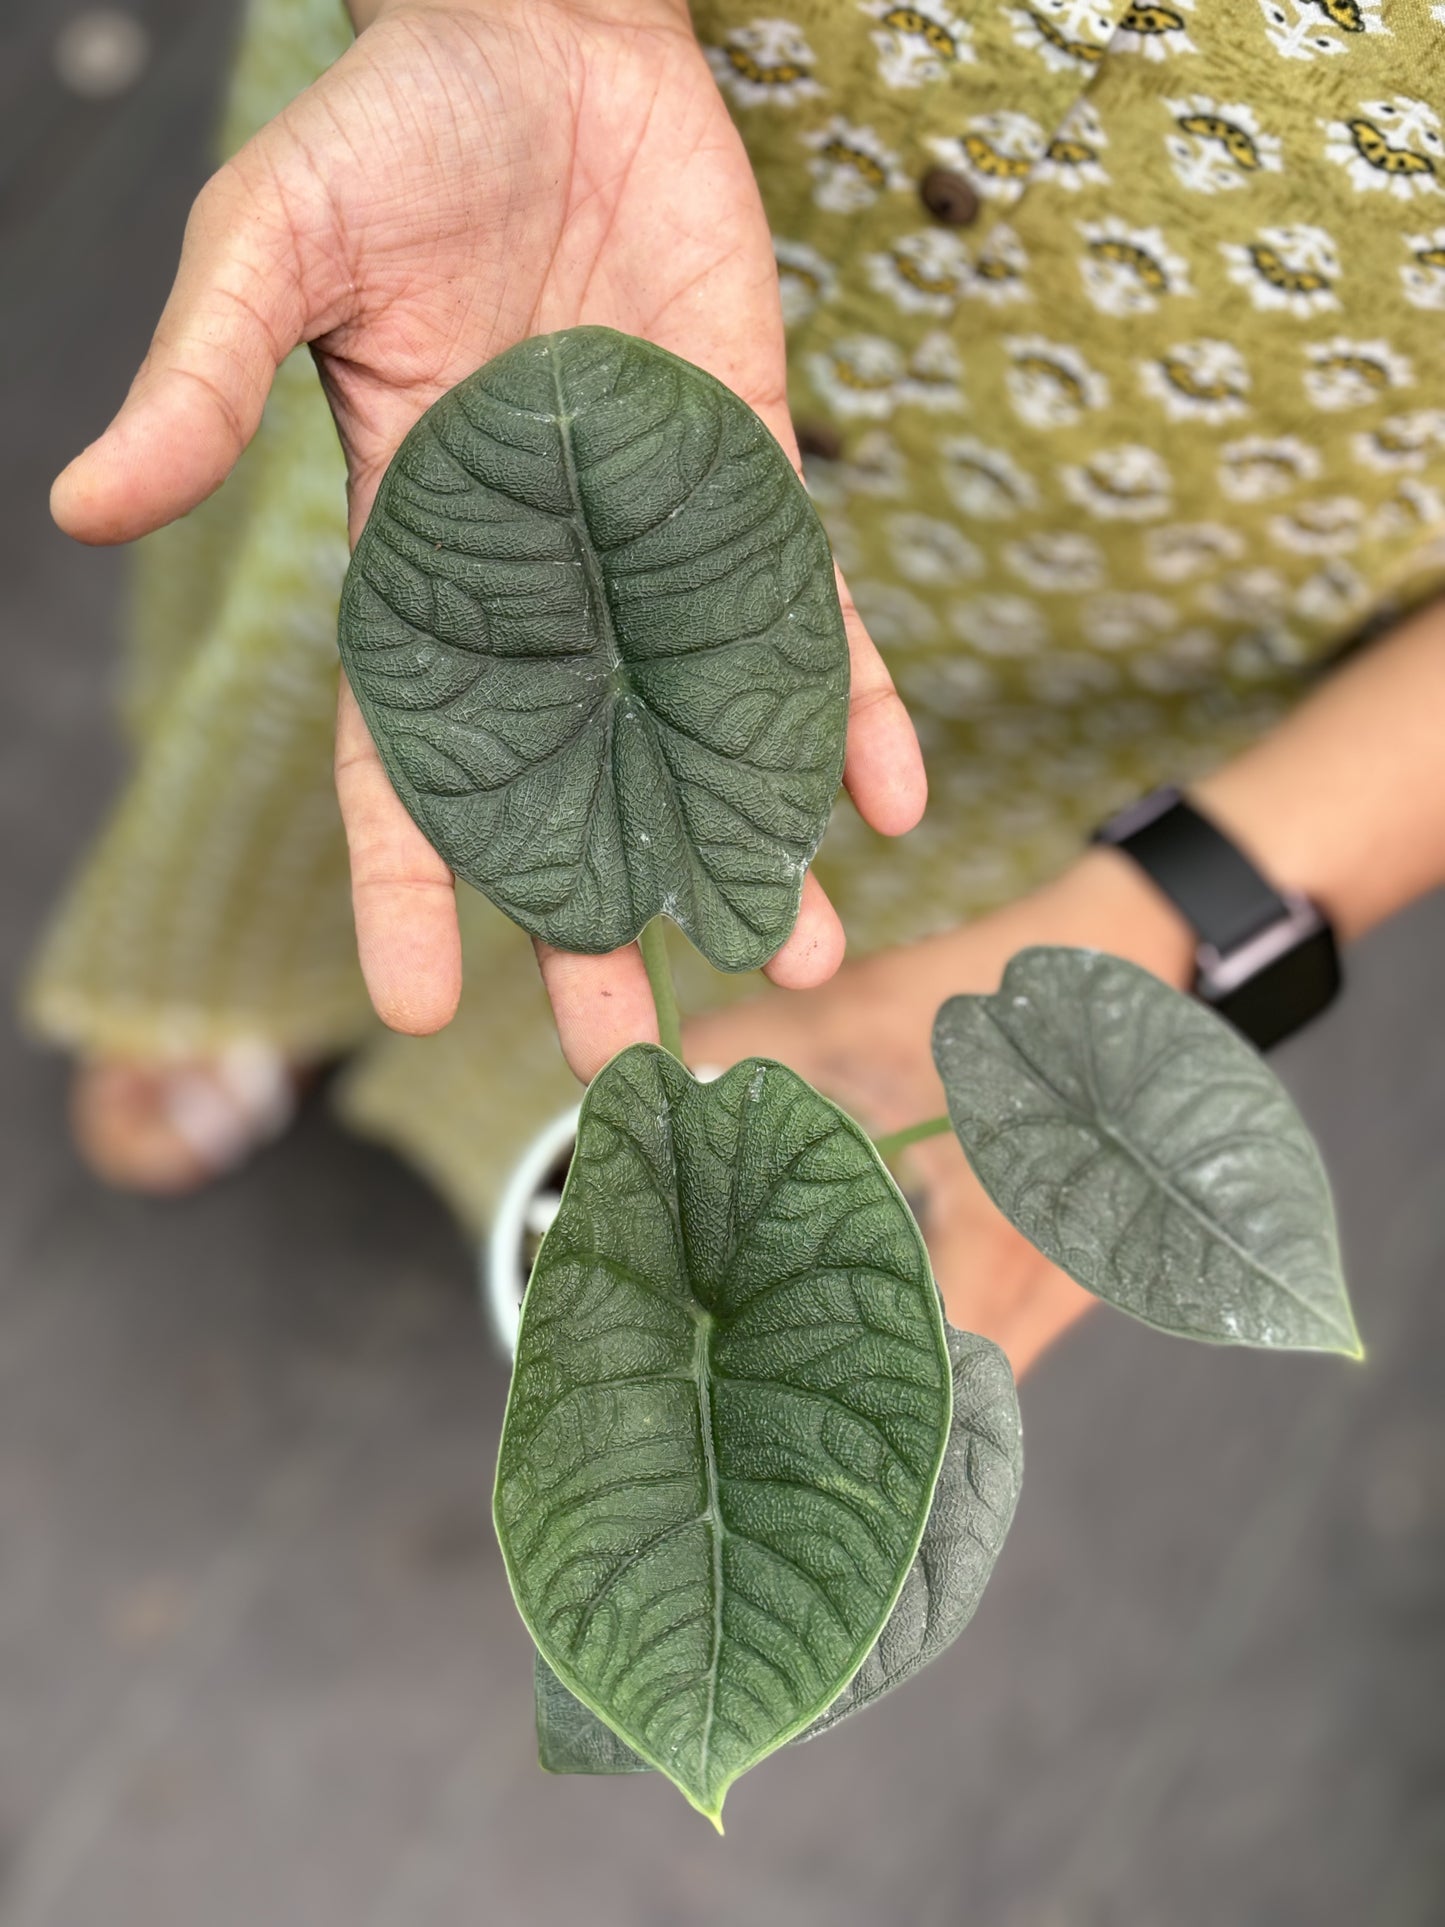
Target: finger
column 601, row 1004
column 815, row 949
column 402, row 893
column 235, row 311
column 883, row 769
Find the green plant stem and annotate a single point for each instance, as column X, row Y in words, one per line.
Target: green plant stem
column 653, row 944
column 895, row 1141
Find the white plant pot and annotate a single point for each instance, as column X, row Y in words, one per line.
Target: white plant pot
column 527, row 1206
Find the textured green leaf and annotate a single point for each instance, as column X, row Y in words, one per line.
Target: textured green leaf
column 973, row 1505
column 729, row 1408
column 1141, row 1144
column 593, row 626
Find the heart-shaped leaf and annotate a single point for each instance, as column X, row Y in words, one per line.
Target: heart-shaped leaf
column 1141, row 1144
column 973, row 1505
column 729, row 1408
column 593, row 625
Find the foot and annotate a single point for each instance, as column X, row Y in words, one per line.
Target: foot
column 168, row 1126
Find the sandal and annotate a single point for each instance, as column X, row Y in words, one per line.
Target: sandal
column 164, row 1128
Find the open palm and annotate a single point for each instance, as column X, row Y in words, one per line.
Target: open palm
column 460, row 180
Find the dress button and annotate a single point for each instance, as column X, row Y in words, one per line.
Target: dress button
column 820, row 439
column 949, row 197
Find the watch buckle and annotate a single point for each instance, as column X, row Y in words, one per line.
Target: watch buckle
column 1219, row 973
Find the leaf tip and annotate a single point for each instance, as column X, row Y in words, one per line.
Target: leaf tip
column 709, row 1810
column 1349, row 1343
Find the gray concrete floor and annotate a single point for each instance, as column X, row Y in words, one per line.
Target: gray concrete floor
column 258, row 1662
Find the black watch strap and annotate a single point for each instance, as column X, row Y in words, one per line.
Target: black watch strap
column 1265, row 959
column 1197, row 867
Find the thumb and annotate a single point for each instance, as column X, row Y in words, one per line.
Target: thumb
column 235, row 311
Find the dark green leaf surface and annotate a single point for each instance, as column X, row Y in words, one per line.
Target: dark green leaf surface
column 593, row 626
column 729, row 1408
column 1147, row 1149
column 973, row 1505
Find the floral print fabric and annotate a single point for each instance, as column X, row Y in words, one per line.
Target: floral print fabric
column 1125, row 458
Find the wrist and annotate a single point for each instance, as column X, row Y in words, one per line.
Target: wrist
column 1344, row 800
column 1274, row 824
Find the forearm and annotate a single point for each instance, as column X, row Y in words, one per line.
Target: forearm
column 665, row 12
column 1345, row 799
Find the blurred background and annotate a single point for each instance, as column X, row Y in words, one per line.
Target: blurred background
column 258, row 1659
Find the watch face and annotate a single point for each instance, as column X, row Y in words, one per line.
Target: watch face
column 1285, row 994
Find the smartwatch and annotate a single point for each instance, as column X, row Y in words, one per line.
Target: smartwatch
column 1266, row 958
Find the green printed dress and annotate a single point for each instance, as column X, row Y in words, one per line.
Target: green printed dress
column 1115, row 339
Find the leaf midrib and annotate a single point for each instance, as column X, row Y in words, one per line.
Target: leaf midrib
column 592, row 568
column 701, row 1372
column 618, row 669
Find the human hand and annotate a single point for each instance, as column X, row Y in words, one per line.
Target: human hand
column 865, row 1040
column 467, row 175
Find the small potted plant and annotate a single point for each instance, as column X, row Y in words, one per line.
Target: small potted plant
column 748, row 1479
